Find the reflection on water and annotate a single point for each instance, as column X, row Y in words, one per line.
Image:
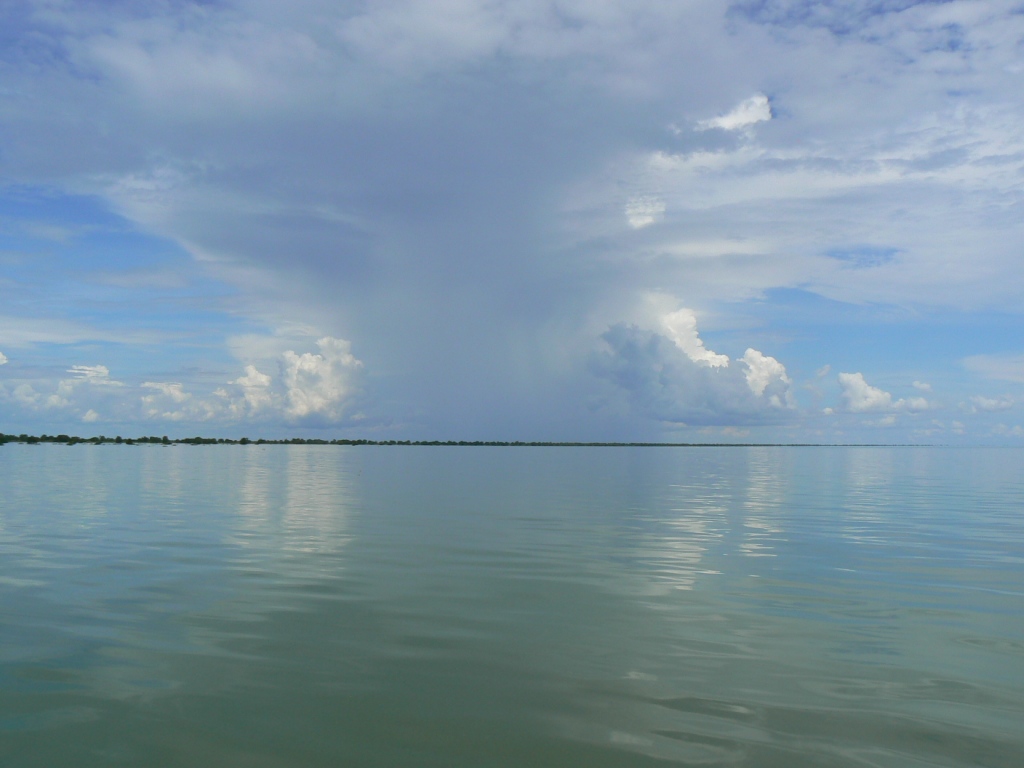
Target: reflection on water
column 322, row 606
column 766, row 492
column 317, row 504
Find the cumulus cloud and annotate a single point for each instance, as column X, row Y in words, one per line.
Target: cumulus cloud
column 672, row 377
column 319, row 384
column 681, row 327
column 255, row 389
column 763, row 372
column 26, row 395
column 861, row 397
column 750, row 112
column 3, row 359
column 168, row 401
column 980, row 403
column 174, row 391
column 90, row 416
column 311, row 386
column 94, row 380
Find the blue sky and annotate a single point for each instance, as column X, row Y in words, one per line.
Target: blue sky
column 547, row 220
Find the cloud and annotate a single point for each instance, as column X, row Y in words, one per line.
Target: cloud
column 979, row 403
column 764, row 372
column 168, row 401
column 3, row 359
column 87, row 381
column 672, row 377
column 90, row 416
column 25, row 395
column 319, row 384
column 747, row 113
column 681, row 327
column 1003, row 430
column 922, row 386
column 644, row 211
column 472, row 194
column 97, row 375
column 861, row 397
column 173, row 391
column 314, row 389
column 311, row 387
column 256, row 389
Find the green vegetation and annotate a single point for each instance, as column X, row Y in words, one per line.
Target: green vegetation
column 102, row 439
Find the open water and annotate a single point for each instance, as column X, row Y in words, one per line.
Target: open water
column 481, row 607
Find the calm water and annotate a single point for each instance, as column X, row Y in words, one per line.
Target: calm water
column 374, row 606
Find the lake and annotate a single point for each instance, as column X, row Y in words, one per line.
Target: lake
column 502, row 606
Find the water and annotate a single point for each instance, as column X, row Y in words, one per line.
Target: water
column 394, row 606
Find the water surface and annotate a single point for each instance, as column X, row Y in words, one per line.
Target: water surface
column 396, row 606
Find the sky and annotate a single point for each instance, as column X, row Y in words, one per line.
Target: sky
column 599, row 220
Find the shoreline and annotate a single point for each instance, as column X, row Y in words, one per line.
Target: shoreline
column 62, row 439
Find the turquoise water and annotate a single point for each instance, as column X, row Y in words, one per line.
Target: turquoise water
column 393, row 606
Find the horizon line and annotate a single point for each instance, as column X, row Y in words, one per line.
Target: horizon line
column 164, row 440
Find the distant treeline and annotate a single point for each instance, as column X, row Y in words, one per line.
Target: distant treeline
column 152, row 440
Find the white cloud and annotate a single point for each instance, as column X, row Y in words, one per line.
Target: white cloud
column 25, row 394
column 90, row 416
column 170, row 402
column 3, row 359
column 255, row 389
column 671, row 377
column 754, row 110
column 923, row 386
column 172, row 390
column 991, row 404
column 319, row 384
column 310, row 386
column 861, row 397
column 764, row 371
column 644, row 211
column 94, row 378
column 98, row 375
column 682, row 330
